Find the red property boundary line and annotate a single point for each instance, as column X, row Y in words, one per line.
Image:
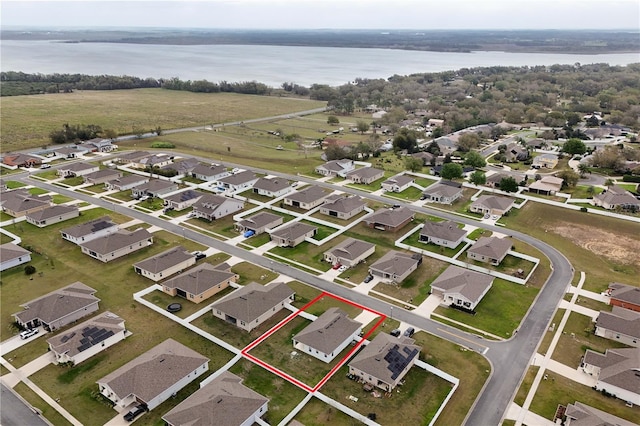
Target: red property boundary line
column 245, row 351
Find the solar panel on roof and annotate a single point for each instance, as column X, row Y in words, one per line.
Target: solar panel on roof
column 100, row 226
column 397, row 361
column 88, row 331
column 84, row 347
column 84, row 340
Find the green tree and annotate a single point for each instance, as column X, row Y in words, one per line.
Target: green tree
column 413, row 164
column 574, row 146
column 474, row 159
column 508, row 184
column 478, row 178
column 437, row 132
column 468, row 141
column 583, row 169
column 405, row 140
column 335, row 152
column 362, row 126
column 451, row 171
column 333, row 120
column 569, row 177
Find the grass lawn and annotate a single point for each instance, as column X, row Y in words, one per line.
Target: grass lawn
column 253, row 273
column 192, row 179
column 96, row 189
column 525, row 386
column 48, row 412
column 178, row 213
column 163, row 300
column 589, row 303
column 307, row 253
column 222, row 226
column 509, row 265
column 410, row 194
column 5, row 239
column 305, row 294
column 153, row 204
column 414, row 240
column 122, row 195
column 500, row 311
column 582, row 191
column 13, row 184
column 73, row 181
column 37, row 191
column 257, row 240
column 4, row 216
column 477, row 233
column 548, row 336
column 60, row 199
column 48, row 175
column 317, row 413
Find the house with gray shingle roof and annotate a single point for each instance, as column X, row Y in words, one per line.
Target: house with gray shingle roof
column 616, row 371
column 292, row 234
column 308, row 198
column 70, row 151
column 223, row 400
column 259, row 223
column 209, row 173
column 350, row 252
column 493, row 180
column 442, row 192
column 616, row 197
column 621, row 325
column 490, row 250
column 336, row 168
column 342, row 206
column 89, row 230
column 491, row 204
column 20, row 202
column 58, row 308
column 395, row 266
column 126, row 182
column 398, row 183
column 132, row 157
column 154, row 376
column 461, row 287
column 253, row 304
column 154, row 188
column 385, row 361
column 390, row 220
column 182, row 200
column 625, row 296
column 102, row 176
column 117, row 244
column 200, row 283
column 212, row 207
column 153, row 160
column 327, row 335
column 548, row 185
column 83, row 341
column 165, row 264
column 53, row 214
column 516, row 152
column 77, row 169
column 446, row 234
column 272, row 187
column 13, row 255
column 238, row 181
column 365, row 175
column 182, row 166
column 580, row 414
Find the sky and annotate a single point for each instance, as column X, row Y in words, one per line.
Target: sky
column 326, row 14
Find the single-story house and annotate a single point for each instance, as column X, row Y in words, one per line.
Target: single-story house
column 77, row 169
column 126, row 182
column 212, row 207
column 390, row 220
column 336, row 168
column 491, row 250
column 253, row 304
column 102, row 176
column 272, row 187
column 58, row 308
column 13, row 255
column 182, row 200
column 437, row 169
column 491, row 204
column 461, row 287
column 616, row 371
column 200, row 283
column 443, row 192
column 70, row 151
column 445, row 234
column 616, row 197
column 21, row 160
column 446, row 145
column 154, row 376
column 209, row 173
column 327, row 335
column 259, row 223
column 83, row 341
column 99, row 145
column 426, row 157
column 154, row 188
column 580, row 414
column 395, row 266
column 18, row 203
column 89, row 230
column 165, row 264
column 223, row 400
column 516, row 152
column 293, row 234
column 308, row 198
column 117, row 244
column 239, row 181
column 385, row 361
column 621, row 325
column 625, row 296
column 548, row 185
column 536, row 143
column 53, row 214
column 343, row 206
column 548, row 161
column 182, row 166
column 350, row 252
column 151, row 161
column 365, row 175
column 435, row 122
column 398, row 183
column 493, row 180
column 132, row 157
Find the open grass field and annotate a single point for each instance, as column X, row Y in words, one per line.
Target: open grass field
column 28, row 120
column 317, row 413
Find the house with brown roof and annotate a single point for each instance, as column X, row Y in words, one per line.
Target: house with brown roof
column 426, row 157
column 395, row 266
column 58, row 308
column 209, row 172
column 85, row 340
column 580, row 414
column 461, row 287
column 443, row 192
column 212, row 207
column 117, row 244
column 88, row 231
column 13, row 255
column 292, row 234
column 493, row 180
column 349, row 252
column 132, row 157
column 491, row 250
column 390, row 220
column 224, row 400
column 616, row 371
column 182, row 200
column 126, row 182
column 251, row 305
column 621, row 325
column 492, row 204
column 20, row 202
column 385, row 361
column 398, row 183
column 365, row 175
column 625, row 296
column 548, row 185
column 327, row 335
column 77, row 169
column 238, row 181
column 200, row 283
column 308, row 198
column 165, row 264
column 445, row 234
column 336, row 168
column 21, row 160
column 102, row 176
column 154, row 188
column 259, row 223
column 154, row 376
column 343, row 206
column 52, row 214
column 272, row 187
column 615, row 197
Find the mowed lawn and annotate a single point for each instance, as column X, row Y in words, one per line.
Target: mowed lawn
column 28, row 120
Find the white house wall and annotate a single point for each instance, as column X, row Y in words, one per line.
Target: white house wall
column 118, row 253
column 15, row 262
column 168, row 393
column 93, row 350
column 169, row 271
column 620, row 393
column 52, row 220
column 89, row 237
column 618, row 337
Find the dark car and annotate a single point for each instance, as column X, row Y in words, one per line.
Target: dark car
column 199, row 255
column 135, row 412
column 395, row 332
column 409, row 332
column 368, row 278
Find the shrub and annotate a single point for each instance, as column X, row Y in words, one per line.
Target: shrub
column 631, row 178
column 29, row 270
column 583, row 209
column 162, row 145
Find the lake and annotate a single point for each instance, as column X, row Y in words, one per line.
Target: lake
column 272, row 65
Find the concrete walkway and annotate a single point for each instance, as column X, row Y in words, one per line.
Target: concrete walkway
column 427, row 307
column 530, row 418
column 575, row 374
column 580, row 309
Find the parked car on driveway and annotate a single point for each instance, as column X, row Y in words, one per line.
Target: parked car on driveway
column 135, row 412
column 336, row 266
column 342, row 268
column 368, row 278
column 28, row 333
column 409, row 332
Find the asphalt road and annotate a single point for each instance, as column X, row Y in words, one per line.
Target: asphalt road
column 15, row 412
